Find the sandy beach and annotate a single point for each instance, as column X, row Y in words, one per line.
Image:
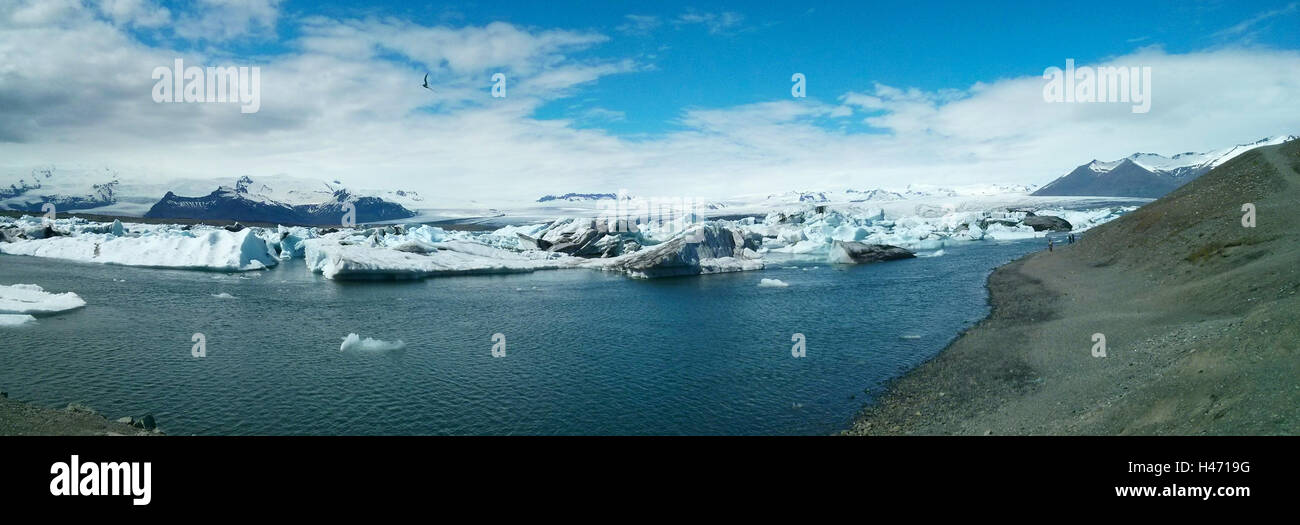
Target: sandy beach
column 1200, row 316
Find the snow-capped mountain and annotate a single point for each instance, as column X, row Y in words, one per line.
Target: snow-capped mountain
column 48, row 185
column 295, row 202
column 1146, row 174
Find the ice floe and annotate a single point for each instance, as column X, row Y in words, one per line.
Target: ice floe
column 772, row 283
column 32, row 299
column 7, row 320
column 354, row 343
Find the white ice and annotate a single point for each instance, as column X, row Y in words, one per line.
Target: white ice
column 354, row 343
column 32, row 299
column 7, row 320
column 160, row 246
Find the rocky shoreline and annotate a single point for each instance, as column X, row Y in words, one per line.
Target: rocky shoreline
column 18, row 418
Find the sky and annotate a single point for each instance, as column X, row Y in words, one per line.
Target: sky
column 670, row 99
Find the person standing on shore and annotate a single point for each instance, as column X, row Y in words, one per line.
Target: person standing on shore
column 1049, row 244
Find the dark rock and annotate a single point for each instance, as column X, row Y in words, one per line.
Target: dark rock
column 984, row 223
column 1047, row 222
column 147, row 422
column 235, row 227
column 861, row 253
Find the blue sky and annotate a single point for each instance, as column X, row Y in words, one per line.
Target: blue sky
column 840, row 46
column 689, row 96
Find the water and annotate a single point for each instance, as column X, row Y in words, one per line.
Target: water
column 586, row 352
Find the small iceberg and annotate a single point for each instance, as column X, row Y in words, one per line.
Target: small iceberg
column 7, row 320
column 223, row 295
column 772, row 283
column 32, row 299
column 354, row 343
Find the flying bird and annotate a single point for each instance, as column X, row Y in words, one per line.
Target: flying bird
column 426, row 83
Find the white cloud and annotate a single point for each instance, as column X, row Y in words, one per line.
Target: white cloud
column 138, row 13
column 716, row 23
column 639, row 24
column 1246, row 25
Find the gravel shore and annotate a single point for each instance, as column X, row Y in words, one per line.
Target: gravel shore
column 24, row 419
column 1200, row 316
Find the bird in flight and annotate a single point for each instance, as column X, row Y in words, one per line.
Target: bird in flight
column 426, row 83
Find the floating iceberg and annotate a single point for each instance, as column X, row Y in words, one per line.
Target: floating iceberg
column 354, row 255
column 354, row 343
column 708, row 248
column 772, row 283
column 162, row 247
column 32, row 299
column 7, row 320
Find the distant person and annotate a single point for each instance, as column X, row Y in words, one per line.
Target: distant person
column 1049, row 244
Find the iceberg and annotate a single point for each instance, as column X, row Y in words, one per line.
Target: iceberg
column 419, row 252
column 32, row 299
column 354, row 343
column 160, row 247
column 851, row 252
column 772, row 283
column 7, row 320
column 708, row 248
